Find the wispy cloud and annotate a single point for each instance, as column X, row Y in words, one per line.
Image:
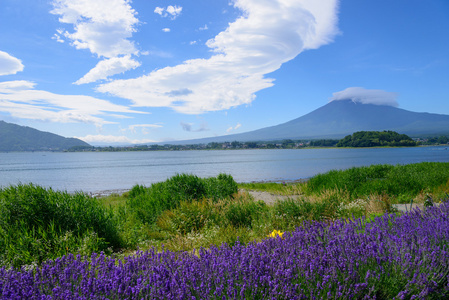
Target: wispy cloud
column 9, row 64
column 109, row 67
column 104, row 32
column 268, row 34
column 112, row 139
column 234, row 128
column 170, row 11
column 21, row 100
column 143, row 127
column 166, row 29
column 366, row 96
column 189, row 127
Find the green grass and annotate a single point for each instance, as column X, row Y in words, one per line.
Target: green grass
column 148, row 203
column 400, row 182
column 403, row 182
column 37, row 224
column 186, row 212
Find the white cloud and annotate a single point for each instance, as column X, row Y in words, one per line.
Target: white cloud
column 268, row 34
column 9, row 64
column 204, row 27
column 143, row 127
column 102, row 26
column 159, row 10
column 365, row 96
column 166, row 29
column 171, row 11
column 234, row 128
column 57, row 36
column 21, row 100
column 109, row 67
column 174, row 10
column 112, row 139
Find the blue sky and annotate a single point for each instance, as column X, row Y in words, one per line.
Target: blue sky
column 116, row 71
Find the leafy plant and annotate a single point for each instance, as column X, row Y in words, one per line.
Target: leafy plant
column 244, row 213
column 37, row 224
column 149, row 203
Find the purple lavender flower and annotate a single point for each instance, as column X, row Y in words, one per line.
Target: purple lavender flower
column 393, row 257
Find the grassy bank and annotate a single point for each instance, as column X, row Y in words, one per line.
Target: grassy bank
column 186, row 212
column 400, row 183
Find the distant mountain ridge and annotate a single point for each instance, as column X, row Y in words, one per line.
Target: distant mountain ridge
column 339, row 118
column 21, row 138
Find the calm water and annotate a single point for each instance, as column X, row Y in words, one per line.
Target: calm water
column 96, row 172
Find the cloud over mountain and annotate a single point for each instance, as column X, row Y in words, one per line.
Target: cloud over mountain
column 366, row 96
column 267, row 34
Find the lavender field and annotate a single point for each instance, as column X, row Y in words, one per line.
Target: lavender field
column 391, row 257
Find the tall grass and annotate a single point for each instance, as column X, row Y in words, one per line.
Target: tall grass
column 37, row 224
column 401, row 181
column 148, row 203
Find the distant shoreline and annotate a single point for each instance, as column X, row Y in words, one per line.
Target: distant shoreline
column 228, row 149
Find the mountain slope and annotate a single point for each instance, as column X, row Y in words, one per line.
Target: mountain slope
column 340, row 118
column 20, row 138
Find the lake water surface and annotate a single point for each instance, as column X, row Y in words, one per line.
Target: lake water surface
column 95, row 172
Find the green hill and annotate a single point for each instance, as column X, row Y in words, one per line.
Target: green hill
column 21, row 138
column 376, row 139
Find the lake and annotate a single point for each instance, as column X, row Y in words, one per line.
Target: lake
column 96, row 172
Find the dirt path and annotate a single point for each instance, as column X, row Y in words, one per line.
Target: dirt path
column 268, row 198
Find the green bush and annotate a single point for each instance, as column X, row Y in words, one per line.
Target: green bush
column 243, row 214
column 187, row 217
column 405, row 181
column 37, row 224
column 294, row 210
column 220, row 187
column 149, row 203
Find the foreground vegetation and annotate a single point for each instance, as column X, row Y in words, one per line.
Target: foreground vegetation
column 392, row 257
column 335, row 225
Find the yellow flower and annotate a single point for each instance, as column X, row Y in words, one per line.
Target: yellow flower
column 276, row 233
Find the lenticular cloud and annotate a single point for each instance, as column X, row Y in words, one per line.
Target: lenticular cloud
column 366, row 96
column 268, row 34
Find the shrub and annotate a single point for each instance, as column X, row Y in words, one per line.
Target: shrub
column 220, row 187
column 149, row 203
column 187, row 217
column 34, row 222
column 243, row 213
column 295, row 210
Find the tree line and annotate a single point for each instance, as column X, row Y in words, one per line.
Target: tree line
column 357, row 139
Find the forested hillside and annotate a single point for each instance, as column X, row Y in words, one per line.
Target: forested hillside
column 376, row 139
column 20, row 138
